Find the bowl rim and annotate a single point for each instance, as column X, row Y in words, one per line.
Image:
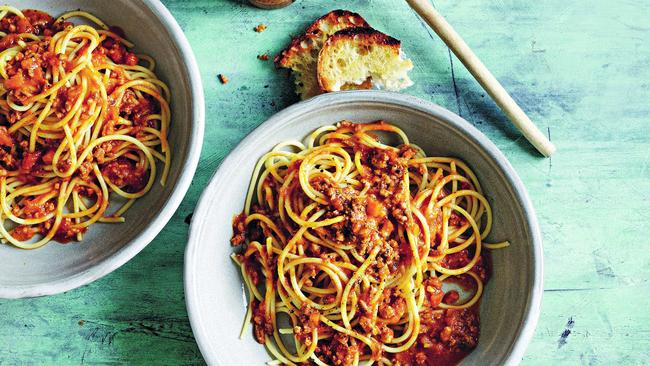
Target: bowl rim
column 132, row 248
column 532, row 311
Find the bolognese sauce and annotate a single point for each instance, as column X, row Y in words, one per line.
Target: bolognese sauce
column 81, row 118
column 369, row 251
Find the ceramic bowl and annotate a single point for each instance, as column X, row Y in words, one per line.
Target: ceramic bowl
column 55, row 267
column 510, row 306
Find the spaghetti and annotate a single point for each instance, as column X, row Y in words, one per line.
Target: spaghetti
column 347, row 242
column 81, row 122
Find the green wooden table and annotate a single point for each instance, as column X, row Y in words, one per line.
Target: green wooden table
column 580, row 68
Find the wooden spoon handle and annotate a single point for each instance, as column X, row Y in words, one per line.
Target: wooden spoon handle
column 483, row 76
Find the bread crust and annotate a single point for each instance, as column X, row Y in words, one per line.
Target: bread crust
column 364, row 36
column 337, row 17
column 302, row 43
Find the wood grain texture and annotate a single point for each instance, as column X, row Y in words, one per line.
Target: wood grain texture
column 580, row 69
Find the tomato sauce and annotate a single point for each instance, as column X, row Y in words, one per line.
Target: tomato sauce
column 370, row 221
column 29, row 74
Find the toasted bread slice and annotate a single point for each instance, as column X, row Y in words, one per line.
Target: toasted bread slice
column 353, row 56
column 301, row 56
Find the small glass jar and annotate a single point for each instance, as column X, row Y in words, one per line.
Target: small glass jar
column 271, row 4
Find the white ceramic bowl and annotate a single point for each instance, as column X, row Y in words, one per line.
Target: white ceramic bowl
column 56, row 268
column 213, row 286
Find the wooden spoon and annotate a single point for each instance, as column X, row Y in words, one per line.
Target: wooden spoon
column 483, row 76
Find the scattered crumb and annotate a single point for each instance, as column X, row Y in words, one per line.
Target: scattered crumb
column 260, row 28
column 82, row 322
column 223, row 79
column 263, row 57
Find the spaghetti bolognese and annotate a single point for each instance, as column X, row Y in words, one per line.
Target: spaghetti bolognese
column 83, row 120
column 357, row 251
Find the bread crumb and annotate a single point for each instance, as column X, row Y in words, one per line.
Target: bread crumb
column 263, row 57
column 223, row 79
column 260, row 28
